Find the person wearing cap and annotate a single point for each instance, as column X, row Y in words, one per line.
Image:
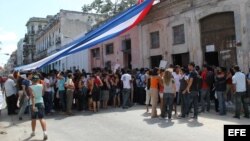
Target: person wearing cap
column 36, row 91
column 239, row 82
column 10, row 91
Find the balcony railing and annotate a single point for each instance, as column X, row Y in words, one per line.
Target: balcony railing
column 58, row 40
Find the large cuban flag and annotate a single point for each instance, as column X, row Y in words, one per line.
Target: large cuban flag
column 111, row 29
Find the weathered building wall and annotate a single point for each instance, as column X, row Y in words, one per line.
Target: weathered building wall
column 118, row 56
column 170, row 13
column 63, row 28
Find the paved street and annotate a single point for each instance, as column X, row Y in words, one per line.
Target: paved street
column 119, row 125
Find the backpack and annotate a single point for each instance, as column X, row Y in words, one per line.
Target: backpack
column 138, row 80
column 141, row 81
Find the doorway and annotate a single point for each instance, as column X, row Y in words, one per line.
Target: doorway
column 155, row 61
column 211, row 58
column 181, row 59
column 127, row 56
column 218, row 36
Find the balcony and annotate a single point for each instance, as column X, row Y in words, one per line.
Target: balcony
column 58, row 40
column 26, row 38
column 40, row 55
column 27, row 49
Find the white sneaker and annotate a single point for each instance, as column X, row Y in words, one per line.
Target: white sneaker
column 32, row 134
column 45, row 137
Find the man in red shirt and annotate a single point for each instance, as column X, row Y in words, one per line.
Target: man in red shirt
column 205, row 90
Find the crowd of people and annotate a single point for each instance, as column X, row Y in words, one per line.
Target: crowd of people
column 191, row 87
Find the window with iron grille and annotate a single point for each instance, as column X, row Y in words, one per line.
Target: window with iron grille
column 155, row 39
column 109, row 49
column 179, row 34
column 95, row 53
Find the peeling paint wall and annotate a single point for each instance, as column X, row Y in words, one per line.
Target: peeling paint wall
column 167, row 14
column 118, row 56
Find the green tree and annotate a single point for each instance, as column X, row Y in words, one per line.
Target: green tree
column 108, row 7
column 125, row 4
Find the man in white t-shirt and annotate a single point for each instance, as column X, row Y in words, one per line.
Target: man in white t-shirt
column 48, row 103
column 126, row 80
column 239, row 81
column 177, row 78
column 10, row 91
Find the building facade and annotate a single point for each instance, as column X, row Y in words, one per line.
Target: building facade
column 34, row 25
column 63, row 28
column 11, row 63
column 20, row 52
column 216, row 32
column 122, row 51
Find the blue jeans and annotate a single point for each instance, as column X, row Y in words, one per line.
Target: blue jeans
column 126, row 94
column 185, row 98
column 48, row 102
column 62, row 96
column 23, row 106
column 205, row 98
column 194, row 100
column 85, row 98
column 222, row 104
column 240, row 97
column 168, row 100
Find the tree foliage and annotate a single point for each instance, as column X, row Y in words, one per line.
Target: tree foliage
column 108, row 8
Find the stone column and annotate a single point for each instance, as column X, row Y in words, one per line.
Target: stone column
column 243, row 55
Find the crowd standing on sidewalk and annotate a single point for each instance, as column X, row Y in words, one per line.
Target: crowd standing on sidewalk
column 190, row 87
